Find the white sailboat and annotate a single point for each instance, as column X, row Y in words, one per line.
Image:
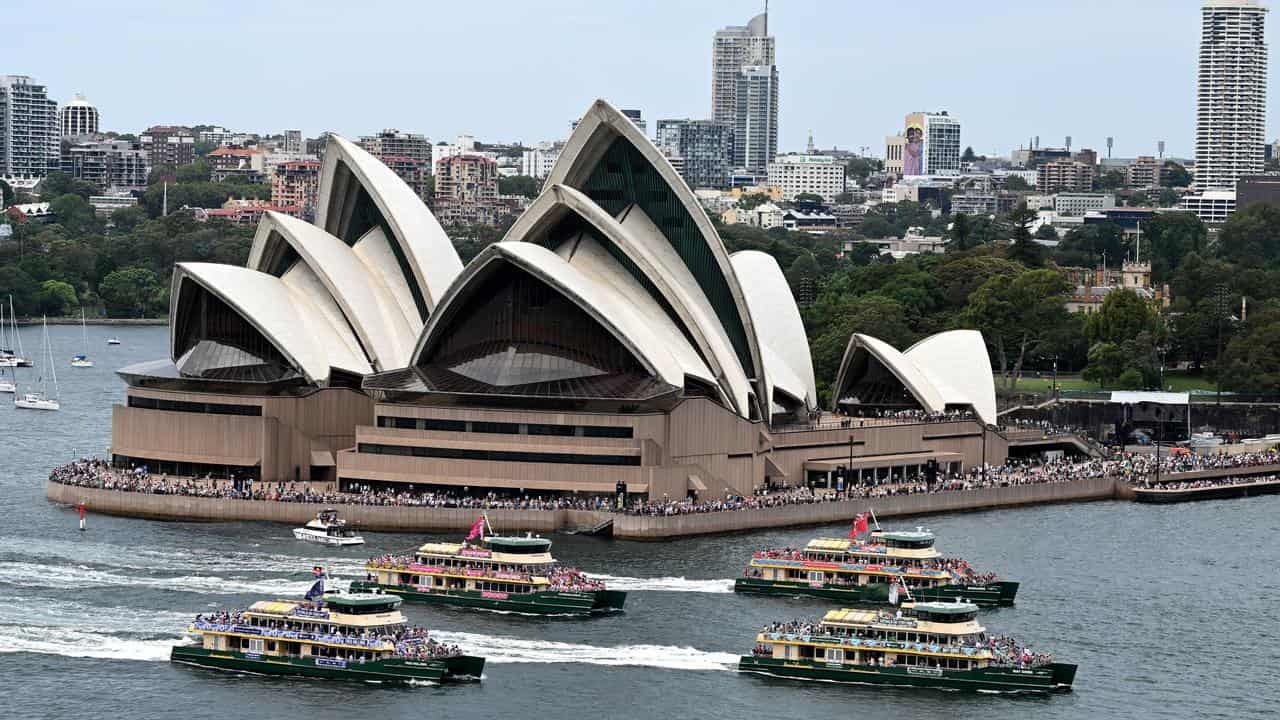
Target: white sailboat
column 82, row 360
column 41, row 400
column 7, row 361
column 8, row 358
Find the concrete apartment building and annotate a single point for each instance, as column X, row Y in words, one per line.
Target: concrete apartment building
column 1076, row 204
column 1231, row 98
column 466, row 189
column 813, row 174
column 29, row 130
column 744, row 91
column 704, row 146
column 1213, row 207
column 1064, row 176
column 1143, row 172
column 941, row 152
column 293, row 141
column 395, row 143
column 296, row 184
column 118, row 165
column 537, row 163
column 169, row 145
column 78, row 118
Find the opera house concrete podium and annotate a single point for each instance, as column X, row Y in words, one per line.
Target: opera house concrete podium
column 608, row 341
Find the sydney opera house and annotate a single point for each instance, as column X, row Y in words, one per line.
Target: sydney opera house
column 609, row 340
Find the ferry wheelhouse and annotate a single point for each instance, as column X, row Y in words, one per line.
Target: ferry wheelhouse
column 507, row 573
column 931, row 644
column 887, row 567
column 350, row 636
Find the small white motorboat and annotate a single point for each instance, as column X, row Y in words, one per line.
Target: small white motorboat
column 81, row 361
column 35, row 401
column 113, row 341
column 328, row 529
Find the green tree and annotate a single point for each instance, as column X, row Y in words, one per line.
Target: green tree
column 1111, row 180
column 59, row 183
column 809, row 198
column 1015, row 183
column 15, row 282
column 1022, row 247
column 961, row 232
column 1130, row 379
column 55, row 297
column 1123, row 315
column 6, row 195
column 129, row 292
column 1016, row 315
column 1173, row 175
column 861, row 167
column 1106, row 363
column 519, row 185
column 1046, row 232
column 1170, row 237
column 958, row 279
column 127, row 218
column 74, row 214
column 873, row 315
column 1251, row 235
column 1251, row 362
column 968, row 155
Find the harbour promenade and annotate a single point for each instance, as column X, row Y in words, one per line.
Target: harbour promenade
column 107, row 491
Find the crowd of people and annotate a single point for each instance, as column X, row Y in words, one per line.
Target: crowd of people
column 560, row 578
column 410, row 642
column 1150, row 484
column 1134, row 468
column 1009, row 651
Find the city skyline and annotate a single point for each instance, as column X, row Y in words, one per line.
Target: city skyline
column 849, row 86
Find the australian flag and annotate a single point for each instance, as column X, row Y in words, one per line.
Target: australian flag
column 317, row 590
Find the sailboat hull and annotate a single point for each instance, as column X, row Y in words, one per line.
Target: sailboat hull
column 27, row 404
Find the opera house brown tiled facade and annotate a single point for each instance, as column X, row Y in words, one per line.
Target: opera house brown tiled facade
column 609, row 340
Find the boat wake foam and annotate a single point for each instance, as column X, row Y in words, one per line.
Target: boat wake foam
column 83, row 644
column 665, row 584
column 500, row 649
column 35, row 575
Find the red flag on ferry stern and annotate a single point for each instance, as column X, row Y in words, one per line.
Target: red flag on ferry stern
column 859, row 526
column 476, row 529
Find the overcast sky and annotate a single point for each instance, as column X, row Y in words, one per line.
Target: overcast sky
column 523, row 70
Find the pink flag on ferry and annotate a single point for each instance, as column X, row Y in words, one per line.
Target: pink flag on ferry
column 859, row 526
column 477, row 529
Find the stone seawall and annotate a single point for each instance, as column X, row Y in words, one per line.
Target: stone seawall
column 658, row 528
column 368, row 517
column 416, row 519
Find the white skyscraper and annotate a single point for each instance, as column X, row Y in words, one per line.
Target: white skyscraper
column 28, row 128
column 744, row 91
column 78, row 117
column 1231, row 93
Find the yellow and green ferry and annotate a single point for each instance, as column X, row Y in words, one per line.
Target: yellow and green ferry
column 346, row 636
column 928, row 644
column 887, row 567
column 501, row 573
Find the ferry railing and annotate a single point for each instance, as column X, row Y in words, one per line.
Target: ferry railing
column 274, row 633
column 863, row 643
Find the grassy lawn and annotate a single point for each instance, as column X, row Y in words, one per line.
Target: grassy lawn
column 1176, row 382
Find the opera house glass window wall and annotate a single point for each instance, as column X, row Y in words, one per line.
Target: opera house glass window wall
column 610, row 340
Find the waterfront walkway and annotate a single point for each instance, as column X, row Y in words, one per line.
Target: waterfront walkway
column 135, row 493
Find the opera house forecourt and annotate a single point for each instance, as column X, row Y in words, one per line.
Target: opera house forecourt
column 608, row 344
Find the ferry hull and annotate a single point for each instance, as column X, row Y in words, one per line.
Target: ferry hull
column 397, row 670
column 1055, row 677
column 985, row 595
column 597, row 602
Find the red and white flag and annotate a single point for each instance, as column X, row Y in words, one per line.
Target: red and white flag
column 859, row 526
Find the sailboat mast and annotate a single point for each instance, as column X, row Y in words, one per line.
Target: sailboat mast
column 13, row 321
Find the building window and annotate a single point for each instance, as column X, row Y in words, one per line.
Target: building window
column 497, row 455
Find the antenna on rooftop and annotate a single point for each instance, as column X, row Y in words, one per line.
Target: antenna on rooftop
column 1110, row 142
column 1160, row 148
